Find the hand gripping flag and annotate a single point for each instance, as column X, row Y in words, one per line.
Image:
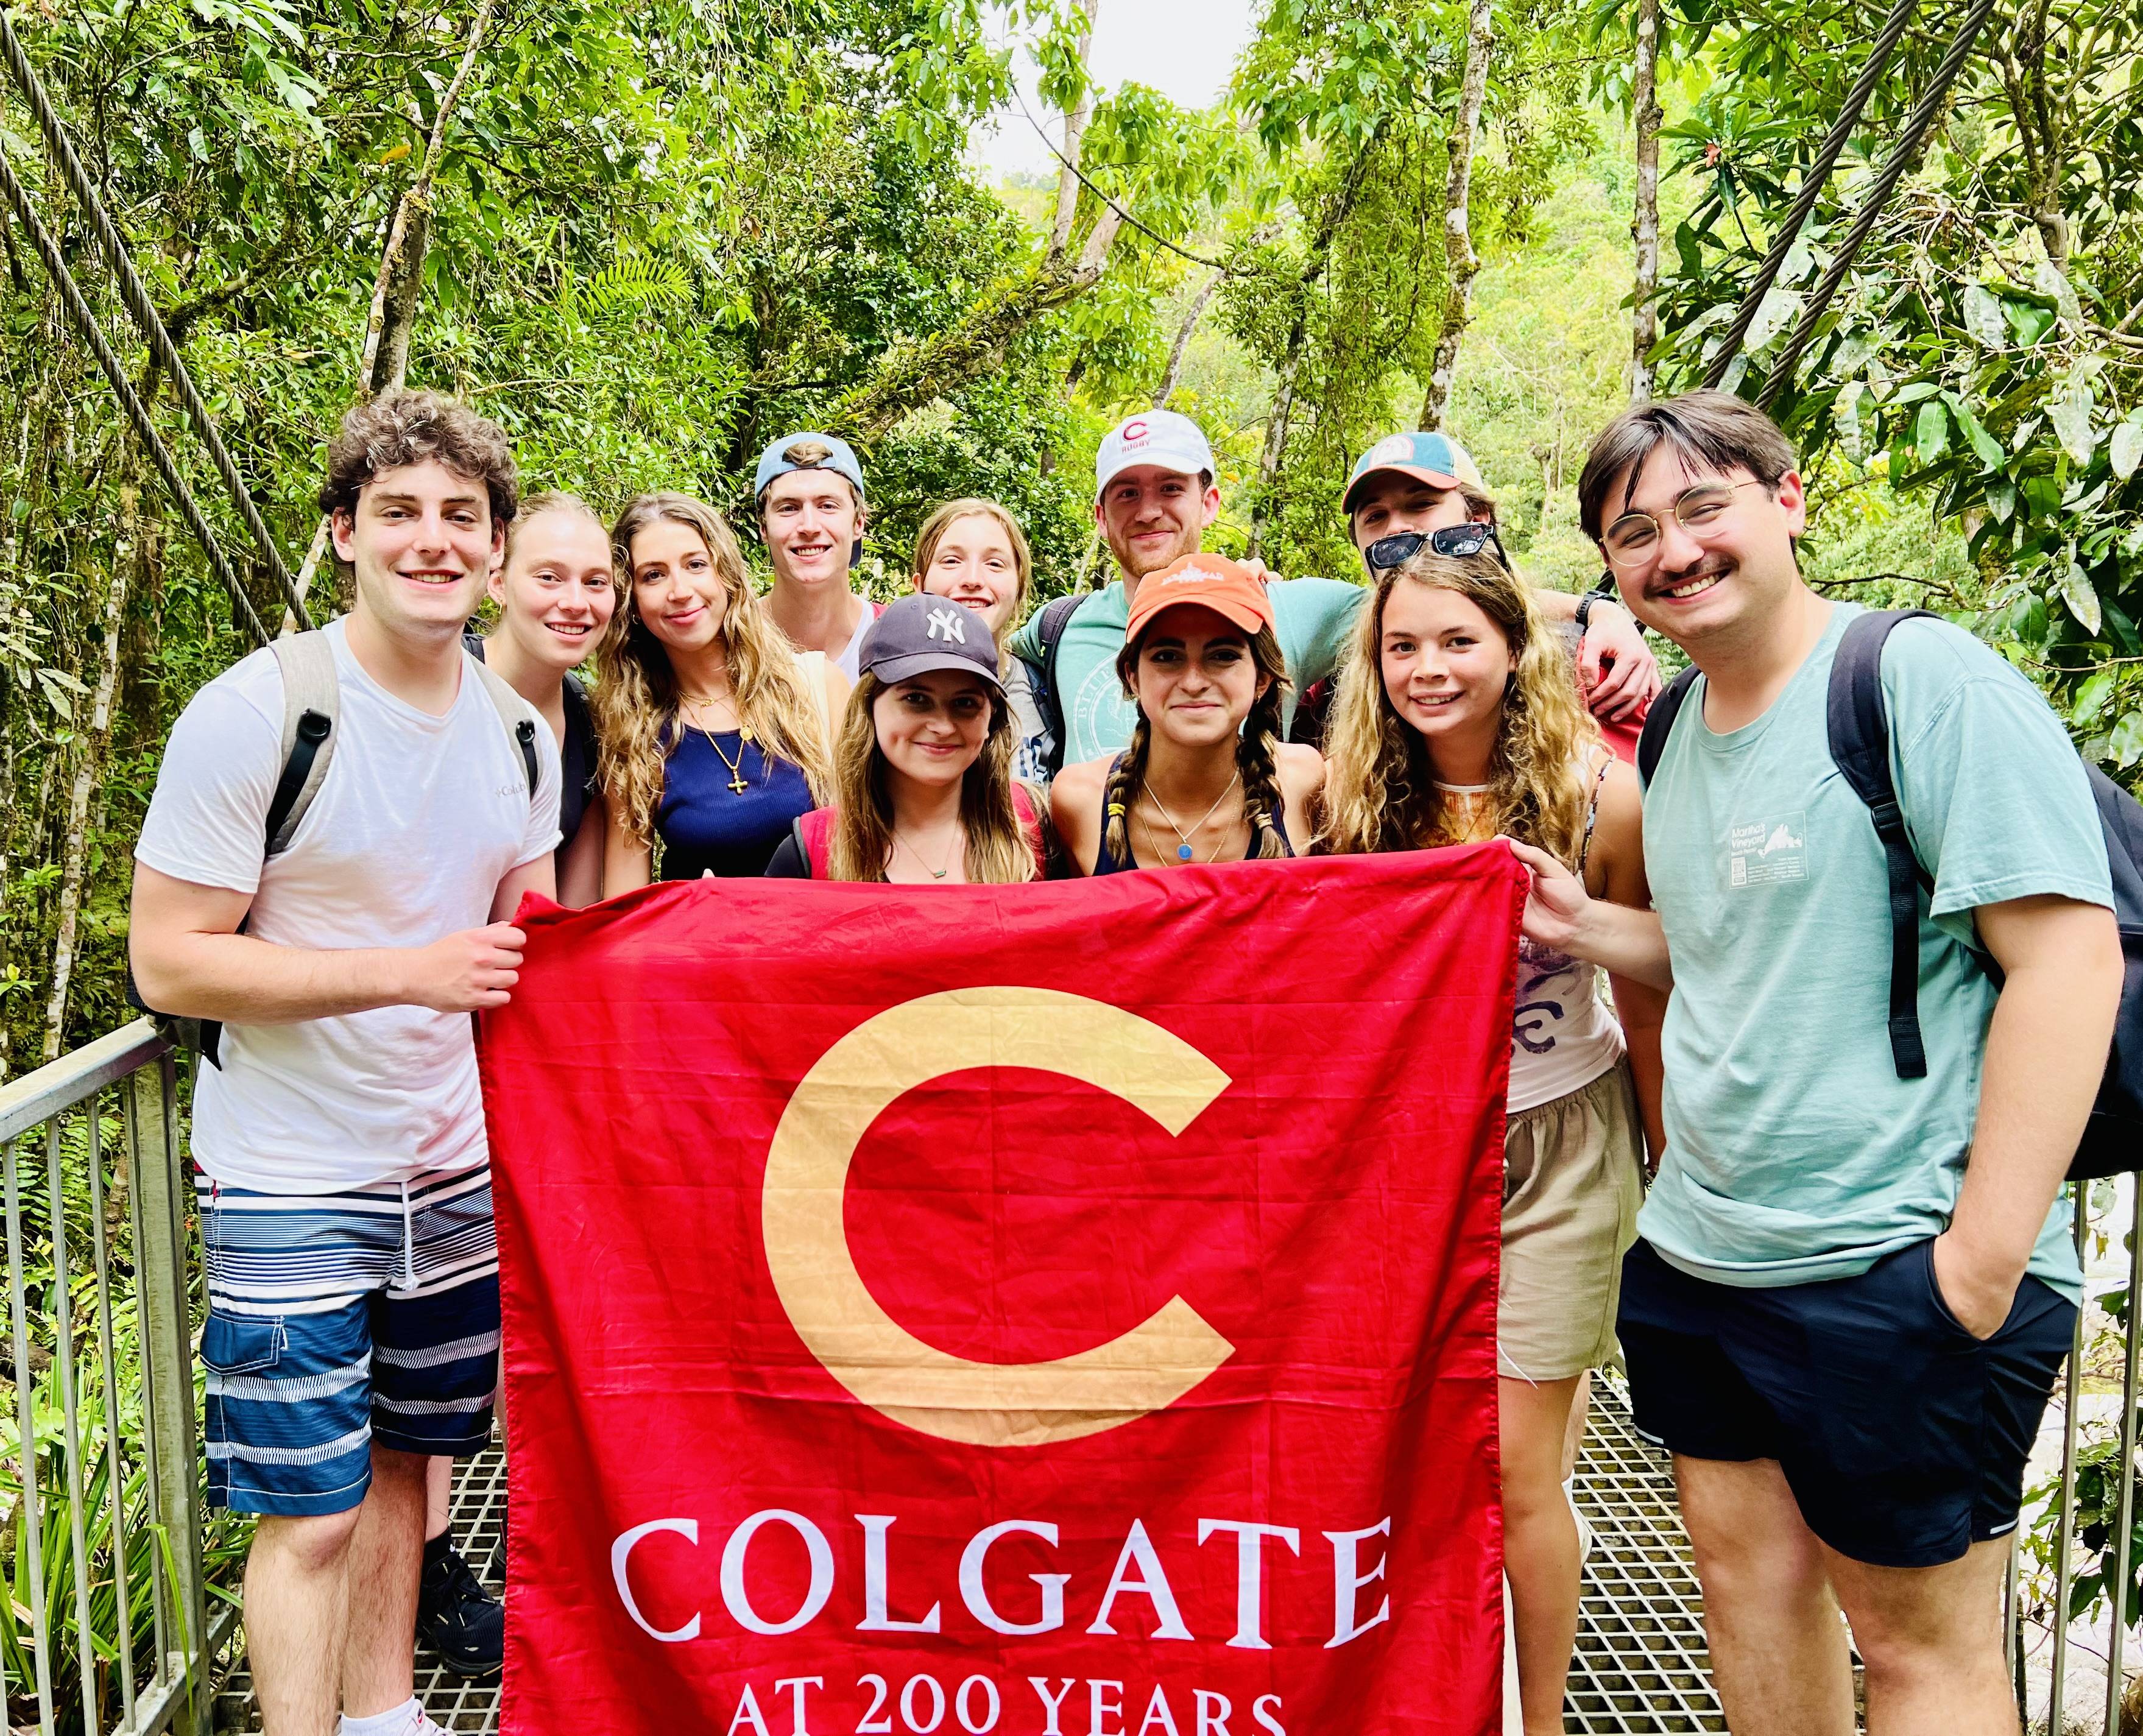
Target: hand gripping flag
column 1061, row 1311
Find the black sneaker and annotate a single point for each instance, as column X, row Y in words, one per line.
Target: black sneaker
column 459, row 1622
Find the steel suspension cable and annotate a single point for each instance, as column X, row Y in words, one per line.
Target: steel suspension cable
column 1878, row 195
column 130, row 400
column 1811, row 186
column 134, row 294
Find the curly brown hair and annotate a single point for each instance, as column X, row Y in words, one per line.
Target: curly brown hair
column 408, row 427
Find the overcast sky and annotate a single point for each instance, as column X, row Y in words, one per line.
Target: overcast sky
column 1185, row 49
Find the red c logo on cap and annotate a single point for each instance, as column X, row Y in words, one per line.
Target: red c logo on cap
column 1134, row 432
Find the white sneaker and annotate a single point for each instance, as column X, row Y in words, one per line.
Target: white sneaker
column 415, row 1722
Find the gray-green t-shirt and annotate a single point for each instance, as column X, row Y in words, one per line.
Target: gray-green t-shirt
column 1311, row 618
column 1795, row 1152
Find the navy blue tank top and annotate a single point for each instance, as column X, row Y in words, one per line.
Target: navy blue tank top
column 708, row 828
column 1105, row 863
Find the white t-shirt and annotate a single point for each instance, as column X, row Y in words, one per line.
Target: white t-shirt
column 849, row 662
column 419, row 820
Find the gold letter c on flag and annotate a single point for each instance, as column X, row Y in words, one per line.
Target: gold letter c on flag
column 980, row 1404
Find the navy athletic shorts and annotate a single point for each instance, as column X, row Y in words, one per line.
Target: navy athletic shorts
column 338, row 1321
column 1902, row 1437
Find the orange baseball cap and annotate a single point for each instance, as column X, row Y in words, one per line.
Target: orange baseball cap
column 1202, row 581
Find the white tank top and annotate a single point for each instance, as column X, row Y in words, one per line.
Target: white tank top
column 1564, row 1035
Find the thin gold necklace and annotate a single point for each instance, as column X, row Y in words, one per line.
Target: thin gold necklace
column 1184, row 852
column 937, row 873
column 737, row 783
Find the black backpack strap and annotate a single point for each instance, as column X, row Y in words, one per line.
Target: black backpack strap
column 524, row 732
column 1056, row 615
column 1859, row 730
column 312, row 734
column 1659, row 722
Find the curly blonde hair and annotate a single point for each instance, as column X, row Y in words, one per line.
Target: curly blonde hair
column 636, row 694
column 998, row 853
column 1380, row 789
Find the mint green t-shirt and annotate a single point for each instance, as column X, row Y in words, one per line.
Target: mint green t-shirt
column 1795, row 1152
column 1311, row 618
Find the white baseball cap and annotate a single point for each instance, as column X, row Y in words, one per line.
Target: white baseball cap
column 1160, row 438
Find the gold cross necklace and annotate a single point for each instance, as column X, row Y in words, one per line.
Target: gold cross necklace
column 737, row 784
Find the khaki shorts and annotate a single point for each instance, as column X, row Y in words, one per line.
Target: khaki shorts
column 1571, row 1192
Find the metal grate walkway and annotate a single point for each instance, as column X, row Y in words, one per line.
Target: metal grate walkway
column 1640, row 1665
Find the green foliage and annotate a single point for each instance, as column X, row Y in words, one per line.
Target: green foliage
column 108, row 1422
column 1983, row 351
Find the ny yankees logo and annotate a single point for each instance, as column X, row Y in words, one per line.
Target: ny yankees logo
column 804, row 1204
column 945, row 624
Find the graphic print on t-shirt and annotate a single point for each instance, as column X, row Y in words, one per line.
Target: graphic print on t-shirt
column 1548, row 980
column 1099, row 711
column 1766, row 851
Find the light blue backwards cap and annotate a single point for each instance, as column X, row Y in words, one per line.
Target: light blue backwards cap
column 840, row 458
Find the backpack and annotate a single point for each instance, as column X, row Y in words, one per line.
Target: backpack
column 312, row 702
column 1859, row 733
column 814, row 832
column 1056, row 615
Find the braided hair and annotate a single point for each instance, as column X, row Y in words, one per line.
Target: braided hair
column 1257, row 757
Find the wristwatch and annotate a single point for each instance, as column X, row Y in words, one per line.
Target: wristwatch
column 1602, row 592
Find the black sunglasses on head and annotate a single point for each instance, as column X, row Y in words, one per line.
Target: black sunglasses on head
column 1458, row 540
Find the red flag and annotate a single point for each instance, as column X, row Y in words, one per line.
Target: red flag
column 1062, row 1310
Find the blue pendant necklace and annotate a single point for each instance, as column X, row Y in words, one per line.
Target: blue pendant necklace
column 1184, row 852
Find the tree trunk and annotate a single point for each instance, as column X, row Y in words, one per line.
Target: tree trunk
column 125, row 553
column 1461, row 262
column 1275, row 449
column 1645, row 228
column 1076, row 118
column 1172, row 377
column 396, row 291
column 1314, row 265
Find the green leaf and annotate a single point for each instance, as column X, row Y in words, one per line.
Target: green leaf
column 2127, row 745
column 2091, row 699
column 2081, row 596
column 2126, row 450
column 2048, row 280
column 1988, row 448
column 1930, row 435
column 2028, row 320
column 1773, row 313
column 2070, row 414
column 1983, row 317
column 1845, row 417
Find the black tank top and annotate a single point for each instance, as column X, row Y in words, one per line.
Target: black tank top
column 1106, row 863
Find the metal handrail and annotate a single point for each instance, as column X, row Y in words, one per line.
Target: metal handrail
column 36, row 1097
column 138, row 1538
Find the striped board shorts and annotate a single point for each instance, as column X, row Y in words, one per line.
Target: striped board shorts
column 337, row 1320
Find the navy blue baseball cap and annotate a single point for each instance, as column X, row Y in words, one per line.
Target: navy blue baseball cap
column 920, row 633
column 807, row 451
